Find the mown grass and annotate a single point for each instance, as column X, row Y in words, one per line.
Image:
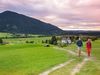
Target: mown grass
column 93, row 66
column 18, row 58
column 28, row 59
column 66, row 70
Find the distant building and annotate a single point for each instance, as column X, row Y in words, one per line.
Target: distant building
column 64, row 40
column 69, row 40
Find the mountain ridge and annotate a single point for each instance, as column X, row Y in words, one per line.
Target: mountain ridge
column 13, row 22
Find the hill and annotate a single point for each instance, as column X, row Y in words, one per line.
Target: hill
column 13, row 22
column 82, row 32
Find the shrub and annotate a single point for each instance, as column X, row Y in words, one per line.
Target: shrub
column 1, row 41
column 47, row 45
column 29, row 41
column 53, row 40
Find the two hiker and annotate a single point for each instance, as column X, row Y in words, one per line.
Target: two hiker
column 79, row 44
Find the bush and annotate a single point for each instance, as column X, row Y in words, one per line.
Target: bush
column 46, row 41
column 43, row 41
column 93, row 38
column 29, row 41
column 1, row 41
column 53, row 40
column 47, row 45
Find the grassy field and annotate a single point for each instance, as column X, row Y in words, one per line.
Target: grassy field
column 21, row 58
column 18, row 58
column 67, row 68
column 23, row 40
column 9, row 35
column 5, row 35
column 91, row 68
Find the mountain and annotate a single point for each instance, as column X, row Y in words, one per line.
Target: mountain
column 82, row 32
column 13, row 22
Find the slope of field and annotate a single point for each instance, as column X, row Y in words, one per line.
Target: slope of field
column 18, row 58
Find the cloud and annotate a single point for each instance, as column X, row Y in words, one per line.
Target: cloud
column 66, row 14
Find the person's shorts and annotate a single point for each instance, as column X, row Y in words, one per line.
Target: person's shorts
column 79, row 48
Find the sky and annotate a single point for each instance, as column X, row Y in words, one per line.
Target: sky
column 66, row 14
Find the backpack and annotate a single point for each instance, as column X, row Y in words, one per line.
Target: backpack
column 79, row 43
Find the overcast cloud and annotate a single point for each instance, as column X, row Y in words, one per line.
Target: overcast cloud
column 66, row 14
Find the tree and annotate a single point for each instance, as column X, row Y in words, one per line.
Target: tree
column 1, row 41
column 53, row 40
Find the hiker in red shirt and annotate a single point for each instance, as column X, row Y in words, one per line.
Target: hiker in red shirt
column 88, row 47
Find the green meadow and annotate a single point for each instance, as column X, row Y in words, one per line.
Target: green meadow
column 21, row 58
column 92, row 67
column 5, row 35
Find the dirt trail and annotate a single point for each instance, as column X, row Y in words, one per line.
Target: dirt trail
column 75, row 70
column 78, row 67
column 69, row 51
column 60, row 65
column 56, row 67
